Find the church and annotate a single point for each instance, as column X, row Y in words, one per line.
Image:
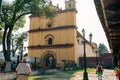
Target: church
column 54, row 41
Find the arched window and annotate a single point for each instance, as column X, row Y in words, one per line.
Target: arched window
column 50, row 41
column 49, row 25
column 70, row 5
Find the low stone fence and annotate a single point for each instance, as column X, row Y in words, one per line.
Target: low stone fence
column 7, row 75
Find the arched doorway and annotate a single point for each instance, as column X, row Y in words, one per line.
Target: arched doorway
column 49, row 60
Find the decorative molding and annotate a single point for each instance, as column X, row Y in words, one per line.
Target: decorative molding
column 59, row 11
column 49, row 35
column 67, row 10
column 53, row 28
column 67, row 45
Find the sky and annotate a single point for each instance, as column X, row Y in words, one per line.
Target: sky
column 87, row 18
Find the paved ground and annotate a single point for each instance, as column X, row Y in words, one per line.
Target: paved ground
column 59, row 75
column 7, row 76
column 107, row 75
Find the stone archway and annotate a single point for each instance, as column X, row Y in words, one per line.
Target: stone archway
column 49, row 60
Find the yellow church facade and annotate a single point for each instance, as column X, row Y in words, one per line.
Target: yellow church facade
column 53, row 41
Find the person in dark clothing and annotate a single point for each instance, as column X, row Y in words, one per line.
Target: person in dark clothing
column 3, row 65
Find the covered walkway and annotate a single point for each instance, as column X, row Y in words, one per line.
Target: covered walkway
column 109, row 14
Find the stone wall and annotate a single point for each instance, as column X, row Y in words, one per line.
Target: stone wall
column 106, row 60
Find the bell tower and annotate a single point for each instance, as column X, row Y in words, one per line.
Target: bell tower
column 70, row 4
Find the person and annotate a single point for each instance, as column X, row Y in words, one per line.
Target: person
column 118, row 72
column 23, row 70
column 3, row 65
column 99, row 71
column 41, row 70
column 29, row 64
column 13, row 65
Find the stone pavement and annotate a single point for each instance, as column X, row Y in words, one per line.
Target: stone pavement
column 60, row 75
column 7, row 75
column 107, row 75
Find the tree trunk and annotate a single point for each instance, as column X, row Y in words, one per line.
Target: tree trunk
column 6, row 46
column 5, row 52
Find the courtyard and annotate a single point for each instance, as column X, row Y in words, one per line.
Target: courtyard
column 77, row 74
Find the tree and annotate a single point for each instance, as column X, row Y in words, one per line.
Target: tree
column 102, row 49
column 13, row 17
column 17, row 42
column 0, row 37
column 0, row 11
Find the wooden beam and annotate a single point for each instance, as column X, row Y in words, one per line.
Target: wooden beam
column 113, row 7
column 114, row 31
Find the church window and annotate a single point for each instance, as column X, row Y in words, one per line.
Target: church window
column 70, row 5
column 49, row 25
column 50, row 41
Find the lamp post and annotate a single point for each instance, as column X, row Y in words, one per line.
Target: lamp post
column 85, row 75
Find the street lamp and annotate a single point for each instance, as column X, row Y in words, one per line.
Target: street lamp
column 90, row 37
column 85, row 75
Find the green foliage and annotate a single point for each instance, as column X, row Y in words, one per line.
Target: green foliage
column 19, row 24
column 0, row 37
column 36, row 78
column 80, row 70
column 26, row 54
column 33, row 78
column 12, row 18
column 91, row 70
column 51, row 73
column 13, row 13
column 102, row 49
column 17, row 41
